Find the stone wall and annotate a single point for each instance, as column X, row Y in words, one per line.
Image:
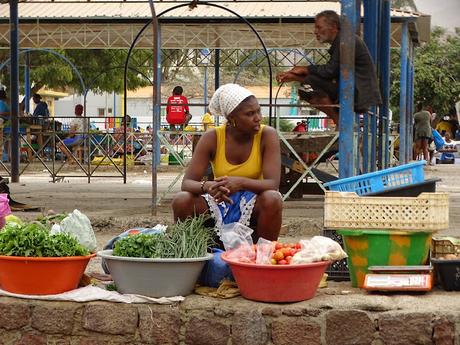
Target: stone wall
column 327, row 319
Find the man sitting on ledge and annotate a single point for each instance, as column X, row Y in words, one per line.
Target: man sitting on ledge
column 321, row 82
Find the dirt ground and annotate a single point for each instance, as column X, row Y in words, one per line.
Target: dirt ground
column 114, row 207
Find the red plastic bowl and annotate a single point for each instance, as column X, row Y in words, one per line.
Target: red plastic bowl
column 277, row 283
column 41, row 275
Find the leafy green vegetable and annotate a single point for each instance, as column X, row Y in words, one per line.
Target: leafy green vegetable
column 188, row 239
column 49, row 221
column 34, row 240
column 111, row 287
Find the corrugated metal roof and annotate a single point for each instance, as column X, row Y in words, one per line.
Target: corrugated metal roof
column 139, row 10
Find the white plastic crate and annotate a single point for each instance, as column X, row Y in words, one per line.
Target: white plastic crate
column 347, row 210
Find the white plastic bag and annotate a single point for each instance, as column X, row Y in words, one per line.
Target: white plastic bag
column 318, row 248
column 264, row 251
column 237, row 241
column 79, row 225
column 234, row 235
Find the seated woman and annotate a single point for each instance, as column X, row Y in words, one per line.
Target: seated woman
column 246, row 163
column 133, row 147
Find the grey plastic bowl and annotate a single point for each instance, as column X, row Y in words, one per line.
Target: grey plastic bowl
column 154, row 277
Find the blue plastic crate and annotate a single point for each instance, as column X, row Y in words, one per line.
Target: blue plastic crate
column 379, row 181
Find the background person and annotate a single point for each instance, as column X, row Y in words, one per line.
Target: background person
column 246, row 163
column 133, row 147
column 77, row 131
column 322, row 81
column 4, row 107
column 177, row 111
column 41, row 112
column 423, row 132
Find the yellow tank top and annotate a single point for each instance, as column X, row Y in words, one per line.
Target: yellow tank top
column 252, row 168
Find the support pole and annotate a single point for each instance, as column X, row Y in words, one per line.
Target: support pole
column 216, row 68
column 14, row 89
column 411, row 98
column 403, row 144
column 409, row 123
column 205, row 90
column 27, row 84
column 371, row 19
column 385, row 69
column 216, row 76
column 347, row 145
column 156, row 105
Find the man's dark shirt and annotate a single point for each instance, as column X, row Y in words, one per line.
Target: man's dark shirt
column 41, row 109
column 367, row 91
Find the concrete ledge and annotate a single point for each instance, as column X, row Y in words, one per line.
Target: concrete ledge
column 337, row 315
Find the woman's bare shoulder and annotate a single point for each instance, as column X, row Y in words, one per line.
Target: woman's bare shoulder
column 269, row 132
column 209, row 138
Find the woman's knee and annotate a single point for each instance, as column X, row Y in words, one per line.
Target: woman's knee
column 270, row 201
column 182, row 203
column 186, row 204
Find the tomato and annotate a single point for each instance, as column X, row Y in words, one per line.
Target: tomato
column 292, row 252
column 273, row 261
column 286, row 251
column 278, row 245
column 282, row 262
column 288, row 259
column 298, row 246
column 278, row 255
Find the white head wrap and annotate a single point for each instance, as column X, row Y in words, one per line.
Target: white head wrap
column 227, row 98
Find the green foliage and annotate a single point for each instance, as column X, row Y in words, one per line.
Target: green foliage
column 404, row 4
column 437, row 72
column 285, row 125
column 101, row 70
column 34, row 240
column 188, row 239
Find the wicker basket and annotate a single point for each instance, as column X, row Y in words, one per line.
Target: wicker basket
column 441, row 246
column 427, row 212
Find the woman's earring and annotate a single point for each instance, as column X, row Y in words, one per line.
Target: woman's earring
column 233, row 122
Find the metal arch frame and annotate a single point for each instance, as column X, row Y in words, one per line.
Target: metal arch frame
column 223, row 8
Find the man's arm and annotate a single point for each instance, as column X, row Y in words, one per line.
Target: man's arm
column 331, row 69
column 186, row 109
column 297, row 73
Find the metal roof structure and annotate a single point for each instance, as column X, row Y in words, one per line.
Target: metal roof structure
column 114, row 24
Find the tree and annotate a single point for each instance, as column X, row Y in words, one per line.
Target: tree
column 102, row 70
column 436, row 72
column 404, row 4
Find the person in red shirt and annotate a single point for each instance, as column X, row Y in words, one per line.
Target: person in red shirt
column 177, row 111
column 301, row 127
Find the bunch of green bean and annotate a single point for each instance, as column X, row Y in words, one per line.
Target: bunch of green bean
column 187, row 239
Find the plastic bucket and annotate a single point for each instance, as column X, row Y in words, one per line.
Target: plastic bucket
column 383, row 248
column 172, row 159
column 154, row 277
column 277, row 283
column 41, row 275
column 447, row 273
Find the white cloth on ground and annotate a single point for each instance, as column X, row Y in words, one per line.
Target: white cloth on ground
column 94, row 293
